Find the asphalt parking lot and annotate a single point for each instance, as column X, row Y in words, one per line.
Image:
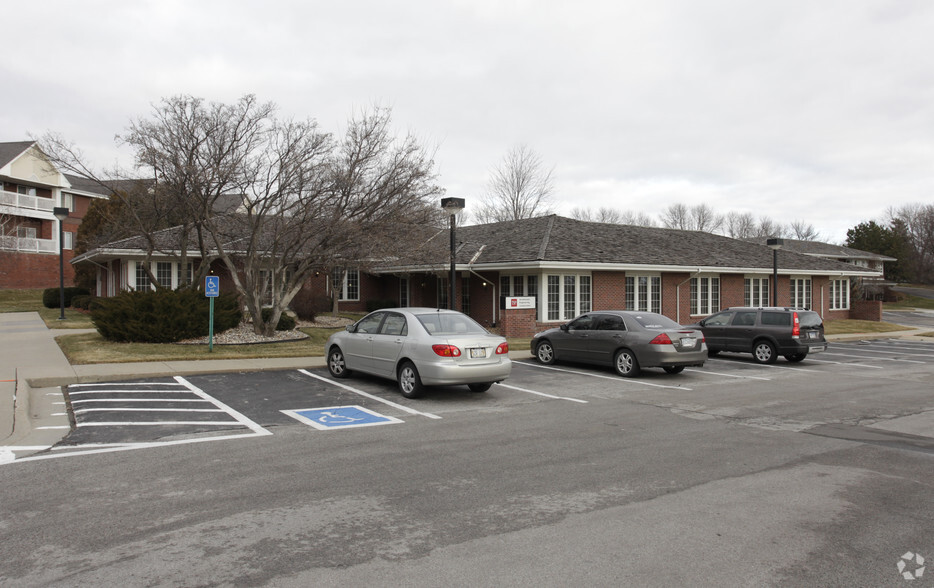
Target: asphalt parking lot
column 823, row 389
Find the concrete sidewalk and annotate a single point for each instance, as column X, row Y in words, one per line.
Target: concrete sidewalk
column 33, row 370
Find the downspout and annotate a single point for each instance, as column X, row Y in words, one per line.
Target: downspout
column 678, row 294
column 493, row 289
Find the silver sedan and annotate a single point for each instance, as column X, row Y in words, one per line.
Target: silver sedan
column 420, row 347
column 627, row 340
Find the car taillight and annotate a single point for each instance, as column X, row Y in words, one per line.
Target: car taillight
column 503, row 348
column 796, row 329
column 662, row 339
column 446, row 350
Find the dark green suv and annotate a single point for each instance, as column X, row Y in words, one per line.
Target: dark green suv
column 766, row 332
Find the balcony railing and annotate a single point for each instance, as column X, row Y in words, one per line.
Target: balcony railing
column 28, row 245
column 26, row 201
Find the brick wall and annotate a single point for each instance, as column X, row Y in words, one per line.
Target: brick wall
column 519, row 323
column 21, row 271
column 609, row 290
column 867, row 310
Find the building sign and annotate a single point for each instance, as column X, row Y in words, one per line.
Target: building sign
column 517, row 302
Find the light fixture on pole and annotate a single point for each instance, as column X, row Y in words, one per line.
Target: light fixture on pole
column 61, row 213
column 775, row 244
column 452, row 206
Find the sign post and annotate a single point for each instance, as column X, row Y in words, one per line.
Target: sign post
column 212, row 289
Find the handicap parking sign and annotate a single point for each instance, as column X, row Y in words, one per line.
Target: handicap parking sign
column 340, row 417
column 212, row 286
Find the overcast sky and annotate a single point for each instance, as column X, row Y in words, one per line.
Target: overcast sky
column 814, row 110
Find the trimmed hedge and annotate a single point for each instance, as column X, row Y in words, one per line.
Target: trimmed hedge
column 162, row 316
column 51, row 297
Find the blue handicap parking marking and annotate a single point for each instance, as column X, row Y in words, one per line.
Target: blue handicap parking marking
column 340, row 417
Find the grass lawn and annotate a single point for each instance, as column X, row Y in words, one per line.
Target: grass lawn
column 850, row 326
column 31, row 301
column 910, row 302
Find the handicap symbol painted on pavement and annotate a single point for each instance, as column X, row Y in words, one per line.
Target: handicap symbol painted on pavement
column 340, row 417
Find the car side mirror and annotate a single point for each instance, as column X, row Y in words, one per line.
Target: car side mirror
column 564, row 327
column 350, row 328
column 703, row 323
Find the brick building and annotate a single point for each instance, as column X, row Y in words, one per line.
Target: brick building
column 566, row 267
column 30, row 188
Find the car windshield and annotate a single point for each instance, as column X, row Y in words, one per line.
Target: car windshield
column 809, row 319
column 450, row 324
column 654, row 321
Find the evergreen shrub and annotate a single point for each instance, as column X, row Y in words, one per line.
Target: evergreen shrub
column 162, row 316
column 51, row 296
column 286, row 322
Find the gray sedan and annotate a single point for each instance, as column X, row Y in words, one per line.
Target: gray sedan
column 420, row 347
column 627, row 340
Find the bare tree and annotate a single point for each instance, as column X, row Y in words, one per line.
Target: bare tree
column 916, row 224
column 769, row 228
column 606, row 214
column 700, row 217
column 803, row 231
column 520, row 187
column 676, row 216
column 310, row 202
column 740, row 225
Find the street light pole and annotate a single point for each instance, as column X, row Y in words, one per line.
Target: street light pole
column 453, row 206
column 61, row 213
column 775, row 245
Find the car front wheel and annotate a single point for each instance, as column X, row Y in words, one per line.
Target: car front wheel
column 545, row 353
column 764, row 352
column 626, row 363
column 410, row 383
column 796, row 357
column 336, row 363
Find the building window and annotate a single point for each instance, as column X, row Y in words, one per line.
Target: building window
column 180, row 278
column 164, row 273
column 756, row 292
column 644, row 293
column 26, row 232
column 801, row 293
column 567, row 296
column 705, row 295
column 403, row 292
column 519, row 286
column 26, row 190
column 142, row 277
column 531, row 288
column 68, row 201
column 68, row 240
column 346, row 283
column 505, row 283
column 840, row 294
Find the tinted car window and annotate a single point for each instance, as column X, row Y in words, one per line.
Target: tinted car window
column 745, row 318
column 719, row 320
column 583, row 323
column 809, row 319
column 449, row 324
column 394, row 325
column 782, row 319
column 610, row 322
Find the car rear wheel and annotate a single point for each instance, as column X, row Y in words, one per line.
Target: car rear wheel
column 674, row 369
column 764, row 352
column 410, row 383
column 336, row 363
column 545, row 353
column 796, row 357
column 626, row 363
column 480, row 387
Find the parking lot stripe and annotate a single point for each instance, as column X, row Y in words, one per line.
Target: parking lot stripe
column 97, row 384
column 542, row 393
column 236, row 415
column 619, row 379
column 127, row 409
column 160, row 423
column 847, row 363
column 371, row 396
column 173, row 400
column 83, row 392
column 727, row 375
column 873, row 358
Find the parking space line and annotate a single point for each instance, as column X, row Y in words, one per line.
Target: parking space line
column 86, row 400
column 764, row 365
column 874, row 358
column 240, row 418
column 370, row 396
column 542, row 393
column 727, row 375
column 99, row 384
column 847, row 363
column 160, row 423
column 619, row 379
column 127, row 409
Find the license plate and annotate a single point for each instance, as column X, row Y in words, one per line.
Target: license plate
column 477, row 352
column 688, row 341
column 816, row 348
column 812, row 334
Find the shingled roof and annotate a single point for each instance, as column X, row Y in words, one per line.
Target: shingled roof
column 828, row 250
column 554, row 239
